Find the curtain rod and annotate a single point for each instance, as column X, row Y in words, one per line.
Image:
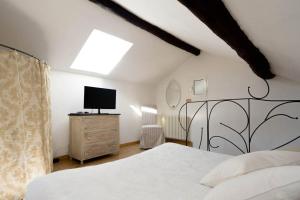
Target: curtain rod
column 23, row 52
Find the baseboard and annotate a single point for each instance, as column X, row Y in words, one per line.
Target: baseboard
column 129, row 143
column 61, row 157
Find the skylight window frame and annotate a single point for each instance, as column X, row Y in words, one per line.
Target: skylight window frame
column 101, row 53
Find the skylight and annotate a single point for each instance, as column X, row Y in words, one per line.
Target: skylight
column 101, row 53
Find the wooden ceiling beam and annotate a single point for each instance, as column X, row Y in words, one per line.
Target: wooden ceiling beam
column 137, row 21
column 216, row 16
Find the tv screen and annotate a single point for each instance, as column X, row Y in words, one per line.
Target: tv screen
column 99, row 98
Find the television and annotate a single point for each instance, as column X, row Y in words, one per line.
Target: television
column 99, row 98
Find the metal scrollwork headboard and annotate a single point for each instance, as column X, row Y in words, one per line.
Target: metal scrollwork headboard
column 246, row 134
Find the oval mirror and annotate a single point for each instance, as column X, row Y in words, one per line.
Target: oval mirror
column 173, row 94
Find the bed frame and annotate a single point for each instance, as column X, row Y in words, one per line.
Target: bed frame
column 246, row 134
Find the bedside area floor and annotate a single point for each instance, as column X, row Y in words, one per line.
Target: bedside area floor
column 125, row 150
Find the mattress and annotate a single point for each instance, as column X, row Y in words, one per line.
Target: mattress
column 169, row 171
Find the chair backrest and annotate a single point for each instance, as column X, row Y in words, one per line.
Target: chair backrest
column 149, row 118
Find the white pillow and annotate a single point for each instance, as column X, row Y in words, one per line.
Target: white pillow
column 277, row 182
column 250, row 162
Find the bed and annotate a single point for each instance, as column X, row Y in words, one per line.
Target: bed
column 169, row 171
column 172, row 171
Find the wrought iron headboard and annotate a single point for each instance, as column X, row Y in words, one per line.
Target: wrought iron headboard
column 246, row 138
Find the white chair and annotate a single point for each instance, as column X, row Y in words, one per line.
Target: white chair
column 152, row 134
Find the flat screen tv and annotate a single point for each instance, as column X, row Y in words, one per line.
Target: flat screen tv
column 99, row 98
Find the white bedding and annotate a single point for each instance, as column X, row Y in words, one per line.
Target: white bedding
column 169, row 171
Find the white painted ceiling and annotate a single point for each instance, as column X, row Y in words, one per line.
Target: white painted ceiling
column 274, row 27
column 56, row 30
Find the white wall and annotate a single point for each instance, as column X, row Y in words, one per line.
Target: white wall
column 228, row 78
column 67, row 97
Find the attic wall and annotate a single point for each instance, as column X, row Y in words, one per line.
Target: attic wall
column 67, row 97
column 228, row 78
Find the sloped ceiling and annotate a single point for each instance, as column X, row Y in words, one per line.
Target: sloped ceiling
column 173, row 17
column 56, row 30
column 273, row 25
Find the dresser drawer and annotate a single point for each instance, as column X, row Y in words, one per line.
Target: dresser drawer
column 100, row 136
column 100, row 123
column 99, row 149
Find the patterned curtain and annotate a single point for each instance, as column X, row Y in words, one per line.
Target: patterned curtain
column 25, row 137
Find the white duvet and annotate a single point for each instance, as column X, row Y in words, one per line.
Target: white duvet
column 167, row 172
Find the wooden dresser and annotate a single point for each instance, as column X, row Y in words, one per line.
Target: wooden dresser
column 93, row 135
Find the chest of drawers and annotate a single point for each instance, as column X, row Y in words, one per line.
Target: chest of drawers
column 93, row 135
